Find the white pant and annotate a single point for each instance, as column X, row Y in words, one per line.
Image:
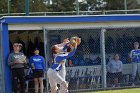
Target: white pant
column 135, row 68
column 54, row 79
column 62, row 73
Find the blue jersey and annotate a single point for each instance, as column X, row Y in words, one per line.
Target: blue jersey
column 135, row 55
column 58, row 59
column 38, row 62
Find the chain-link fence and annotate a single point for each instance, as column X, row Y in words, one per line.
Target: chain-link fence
column 121, row 41
column 92, row 69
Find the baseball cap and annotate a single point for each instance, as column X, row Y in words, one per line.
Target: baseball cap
column 36, row 49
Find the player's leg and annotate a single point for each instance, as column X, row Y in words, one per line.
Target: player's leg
column 62, row 73
column 62, row 82
column 59, row 80
column 52, row 81
column 134, row 71
column 14, row 80
column 120, row 77
column 112, row 79
column 138, row 66
column 41, row 84
column 63, row 87
column 21, row 76
column 36, row 81
column 40, row 80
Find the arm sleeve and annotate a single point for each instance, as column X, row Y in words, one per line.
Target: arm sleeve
column 10, row 61
column 43, row 64
column 59, row 58
column 108, row 66
column 121, row 66
column 131, row 54
column 72, row 53
column 30, row 62
column 24, row 57
column 65, row 48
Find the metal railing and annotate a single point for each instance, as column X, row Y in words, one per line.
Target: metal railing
column 106, row 12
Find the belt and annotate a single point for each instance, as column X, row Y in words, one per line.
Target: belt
column 55, row 69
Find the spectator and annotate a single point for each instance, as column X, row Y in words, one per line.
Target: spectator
column 135, row 58
column 16, row 61
column 70, row 63
column 115, row 67
column 37, row 63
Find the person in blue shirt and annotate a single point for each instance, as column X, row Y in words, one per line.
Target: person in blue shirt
column 37, row 63
column 135, row 58
column 53, row 72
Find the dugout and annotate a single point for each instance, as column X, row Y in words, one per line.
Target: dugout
column 50, row 30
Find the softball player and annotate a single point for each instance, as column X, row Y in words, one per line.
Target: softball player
column 63, row 47
column 53, row 72
column 135, row 57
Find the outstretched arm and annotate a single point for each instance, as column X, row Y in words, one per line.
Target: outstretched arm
column 59, row 58
column 65, row 41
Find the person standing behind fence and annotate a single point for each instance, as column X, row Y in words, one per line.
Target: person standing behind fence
column 16, row 61
column 115, row 67
column 135, row 58
column 37, row 63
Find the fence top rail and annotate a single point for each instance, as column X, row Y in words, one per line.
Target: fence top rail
column 74, row 12
column 69, row 16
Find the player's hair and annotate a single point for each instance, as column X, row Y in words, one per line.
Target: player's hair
column 53, row 50
column 136, row 43
column 116, row 54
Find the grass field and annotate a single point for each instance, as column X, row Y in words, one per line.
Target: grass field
column 134, row 90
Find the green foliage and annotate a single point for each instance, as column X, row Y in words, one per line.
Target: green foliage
column 3, row 6
column 37, row 6
column 18, row 6
column 115, row 5
column 62, row 5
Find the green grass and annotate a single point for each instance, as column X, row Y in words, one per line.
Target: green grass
column 134, row 90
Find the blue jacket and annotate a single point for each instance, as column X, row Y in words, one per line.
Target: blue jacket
column 38, row 62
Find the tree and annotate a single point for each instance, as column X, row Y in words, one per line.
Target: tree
column 115, row 4
column 17, row 6
column 38, row 6
column 62, row 5
column 3, row 6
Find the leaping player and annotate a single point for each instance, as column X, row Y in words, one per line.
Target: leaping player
column 53, row 72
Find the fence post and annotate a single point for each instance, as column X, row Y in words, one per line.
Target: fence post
column 46, row 58
column 102, row 48
column 27, row 7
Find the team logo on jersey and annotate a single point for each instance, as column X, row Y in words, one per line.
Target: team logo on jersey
column 36, row 59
